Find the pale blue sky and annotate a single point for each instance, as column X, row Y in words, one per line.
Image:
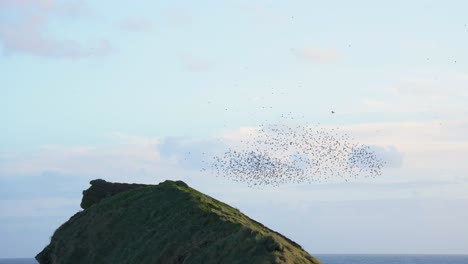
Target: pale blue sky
column 94, row 89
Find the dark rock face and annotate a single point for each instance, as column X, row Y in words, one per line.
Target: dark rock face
column 101, row 189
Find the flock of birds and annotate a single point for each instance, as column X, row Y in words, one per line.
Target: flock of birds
column 282, row 152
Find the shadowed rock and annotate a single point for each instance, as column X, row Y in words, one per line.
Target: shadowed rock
column 101, row 189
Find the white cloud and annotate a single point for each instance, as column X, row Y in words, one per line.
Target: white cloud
column 241, row 133
column 429, row 92
column 372, row 105
column 69, row 8
column 263, row 14
column 127, row 155
column 27, row 31
column 426, row 145
column 179, row 17
column 189, row 152
column 316, row 55
column 195, row 64
column 390, row 154
column 435, row 86
column 428, row 148
column 135, row 24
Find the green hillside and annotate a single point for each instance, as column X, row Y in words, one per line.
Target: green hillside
column 167, row 223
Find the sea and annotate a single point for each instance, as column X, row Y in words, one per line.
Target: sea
column 393, row 259
column 346, row 259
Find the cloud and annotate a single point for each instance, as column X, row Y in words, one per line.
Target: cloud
column 315, row 55
column 41, row 4
column 419, row 146
column 135, row 24
column 195, row 154
column 240, row 133
column 125, row 156
column 445, row 86
column 426, row 145
column 388, row 157
column 373, row 105
column 179, row 17
column 196, row 64
column 426, row 93
column 190, row 152
column 433, row 160
column 439, row 133
column 390, row 154
column 69, row 8
column 26, row 31
column 263, row 14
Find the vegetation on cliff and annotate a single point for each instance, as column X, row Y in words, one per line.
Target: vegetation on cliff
column 166, row 223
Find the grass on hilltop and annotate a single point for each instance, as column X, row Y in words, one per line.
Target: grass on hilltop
column 167, row 223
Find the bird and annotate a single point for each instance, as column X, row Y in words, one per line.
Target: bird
column 279, row 153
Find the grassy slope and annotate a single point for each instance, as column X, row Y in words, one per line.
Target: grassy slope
column 168, row 223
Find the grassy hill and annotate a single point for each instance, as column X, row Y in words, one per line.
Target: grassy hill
column 167, row 223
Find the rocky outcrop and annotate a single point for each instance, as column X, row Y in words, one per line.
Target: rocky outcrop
column 101, row 189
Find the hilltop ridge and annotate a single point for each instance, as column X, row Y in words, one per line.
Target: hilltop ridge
column 165, row 223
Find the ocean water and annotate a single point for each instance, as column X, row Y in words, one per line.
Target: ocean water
column 18, row 261
column 393, row 259
column 348, row 259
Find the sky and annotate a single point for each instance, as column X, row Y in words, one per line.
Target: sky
column 122, row 91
